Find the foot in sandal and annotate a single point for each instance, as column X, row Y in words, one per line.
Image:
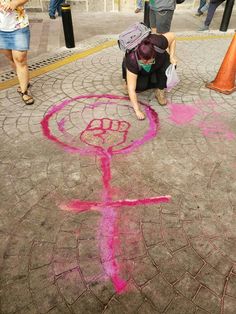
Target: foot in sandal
column 27, row 99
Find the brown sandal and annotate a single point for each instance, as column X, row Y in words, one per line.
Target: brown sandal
column 28, row 100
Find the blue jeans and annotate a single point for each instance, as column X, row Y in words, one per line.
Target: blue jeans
column 18, row 39
column 55, row 5
column 203, row 7
column 139, row 4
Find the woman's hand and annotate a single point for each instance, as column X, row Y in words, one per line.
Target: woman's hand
column 13, row 5
column 9, row 7
column 139, row 113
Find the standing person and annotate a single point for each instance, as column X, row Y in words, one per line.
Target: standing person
column 210, row 14
column 55, row 6
column 161, row 14
column 203, row 7
column 14, row 42
column 139, row 4
column 144, row 68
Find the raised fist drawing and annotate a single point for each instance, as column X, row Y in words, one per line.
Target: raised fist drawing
column 105, row 133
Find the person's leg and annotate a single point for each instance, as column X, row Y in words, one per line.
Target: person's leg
column 152, row 19
column 160, row 82
column 200, row 8
column 59, row 6
column 22, row 71
column 201, row 5
column 205, row 7
column 8, row 55
column 163, row 21
column 211, row 11
column 52, row 8
column 139, row 6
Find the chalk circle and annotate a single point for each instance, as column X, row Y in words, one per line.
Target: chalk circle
column 64, row 122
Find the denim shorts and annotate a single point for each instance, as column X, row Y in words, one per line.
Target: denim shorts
column 161, row 20
column 15, row 40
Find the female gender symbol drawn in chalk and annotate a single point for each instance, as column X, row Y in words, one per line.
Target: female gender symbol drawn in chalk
column 102, row 137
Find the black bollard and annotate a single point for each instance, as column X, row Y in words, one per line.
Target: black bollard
column 67, row 25
column 146, row 13
column 227, row 15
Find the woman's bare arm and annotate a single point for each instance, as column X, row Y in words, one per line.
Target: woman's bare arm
column 131, row 83
column 172, row 45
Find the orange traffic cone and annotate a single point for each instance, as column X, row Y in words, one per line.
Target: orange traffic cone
column 225, row 79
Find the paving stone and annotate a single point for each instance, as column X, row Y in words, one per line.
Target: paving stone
column 132, row 246
column 200, row 311
column 220, row 262
column 15, row 267
column 66, row 240
column 147, row 308
column 227, row 247
column 70, row 285
column 202, row 246
column 60, row 309
column 151, row 233
column 210, row 278
column 131, row 300
column 159, row 292
column 92, row 270
column 181, row 305
column 102, row 289
column 29, row 309
column 229, row 305
column 47, row 299
column 115, row 307
column 159, row 254
column 64, row 260
column 3, row 244
column 175, row 238
column 191, row 261
column 172, row 270
column 192, row 228
column 188, row 286
column 231, row 286
column 89, row 249
column 87, row 303
column 18, row 246
column 15, row 297
column 143, row 270
column 40, row 278
column 41, row 254
column 208, row 301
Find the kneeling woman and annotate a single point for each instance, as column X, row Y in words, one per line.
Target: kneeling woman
column 144, row 68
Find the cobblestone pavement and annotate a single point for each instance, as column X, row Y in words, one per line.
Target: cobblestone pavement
column 174, row 258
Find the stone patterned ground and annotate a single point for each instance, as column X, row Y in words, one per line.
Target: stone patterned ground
column 176, row 258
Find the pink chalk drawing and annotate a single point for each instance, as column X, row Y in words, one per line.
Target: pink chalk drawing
column 211, row 126
column 182, row 114
column 103, row 138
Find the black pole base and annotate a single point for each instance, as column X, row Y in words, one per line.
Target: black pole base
column 227, row 15
column 67, row 25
